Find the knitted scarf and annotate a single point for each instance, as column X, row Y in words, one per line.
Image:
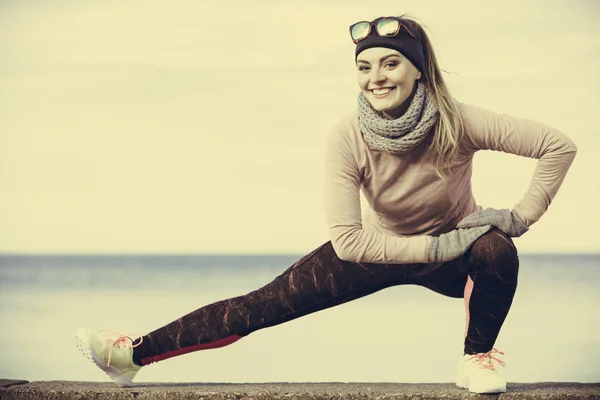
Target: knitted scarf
column 401, row 134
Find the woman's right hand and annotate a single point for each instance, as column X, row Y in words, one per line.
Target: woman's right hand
column 453, row 244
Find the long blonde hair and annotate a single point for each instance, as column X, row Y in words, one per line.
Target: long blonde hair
column 449, row 128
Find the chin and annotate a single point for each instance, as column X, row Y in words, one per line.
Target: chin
column 386, row 107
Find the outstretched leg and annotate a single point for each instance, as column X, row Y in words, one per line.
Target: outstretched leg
column 317, row 281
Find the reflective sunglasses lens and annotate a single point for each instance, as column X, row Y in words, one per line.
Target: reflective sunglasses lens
column 388, row 27
column 360, row 31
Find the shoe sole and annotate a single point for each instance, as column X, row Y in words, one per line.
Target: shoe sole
column 487, row 390
column 87, row 350
column 464, row 385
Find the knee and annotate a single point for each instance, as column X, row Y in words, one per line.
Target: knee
column 495, row 253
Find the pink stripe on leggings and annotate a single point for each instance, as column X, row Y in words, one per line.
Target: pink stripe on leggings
column 212, row 345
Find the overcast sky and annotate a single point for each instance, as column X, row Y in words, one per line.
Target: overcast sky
column 197, row 126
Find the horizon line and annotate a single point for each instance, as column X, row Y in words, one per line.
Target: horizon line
column 240, row 254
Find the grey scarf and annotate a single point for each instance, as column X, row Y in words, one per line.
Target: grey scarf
column 401, row 134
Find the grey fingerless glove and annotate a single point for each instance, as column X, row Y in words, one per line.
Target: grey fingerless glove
column 507, row 221
column 453, row 244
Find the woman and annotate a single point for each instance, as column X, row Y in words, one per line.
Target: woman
column 409, row 147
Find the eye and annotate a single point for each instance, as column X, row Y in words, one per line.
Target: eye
column 391, row 64
column 363, row 68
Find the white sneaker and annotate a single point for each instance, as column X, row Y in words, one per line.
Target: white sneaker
column 115, row 357
column 479, row 374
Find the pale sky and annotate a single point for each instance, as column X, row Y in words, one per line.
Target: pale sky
column 199, row 127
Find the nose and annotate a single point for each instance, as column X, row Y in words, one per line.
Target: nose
column 377, row 76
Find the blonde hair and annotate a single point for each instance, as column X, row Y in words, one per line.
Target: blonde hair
column 449, row 127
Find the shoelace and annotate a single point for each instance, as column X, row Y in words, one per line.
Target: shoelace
column 124, row 340
column 481, row 358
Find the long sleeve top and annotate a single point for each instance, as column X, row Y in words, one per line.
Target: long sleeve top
column 408, row 202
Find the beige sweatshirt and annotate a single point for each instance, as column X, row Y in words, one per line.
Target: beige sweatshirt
column 408, row 202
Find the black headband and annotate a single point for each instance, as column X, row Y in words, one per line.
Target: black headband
column 403, row 42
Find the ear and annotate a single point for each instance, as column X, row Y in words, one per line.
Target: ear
column 418, row 75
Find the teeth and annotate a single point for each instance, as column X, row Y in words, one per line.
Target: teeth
column 382, row 91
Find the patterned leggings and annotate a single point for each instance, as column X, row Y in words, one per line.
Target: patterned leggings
column 320, row 280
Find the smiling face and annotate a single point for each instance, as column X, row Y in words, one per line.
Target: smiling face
column 387, row 79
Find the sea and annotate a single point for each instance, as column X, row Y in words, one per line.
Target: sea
column 399, row 334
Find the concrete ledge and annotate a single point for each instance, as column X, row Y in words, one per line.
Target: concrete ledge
column 23, row 390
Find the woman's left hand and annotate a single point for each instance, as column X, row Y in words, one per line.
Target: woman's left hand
column 505, row 220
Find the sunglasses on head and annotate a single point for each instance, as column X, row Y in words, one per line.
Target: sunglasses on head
column 388, row 26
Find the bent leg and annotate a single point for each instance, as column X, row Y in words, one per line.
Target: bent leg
column 486, row 277
column 317, row 281
column 494, row 266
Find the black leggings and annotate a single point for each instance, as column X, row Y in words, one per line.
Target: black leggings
column 321, row 280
